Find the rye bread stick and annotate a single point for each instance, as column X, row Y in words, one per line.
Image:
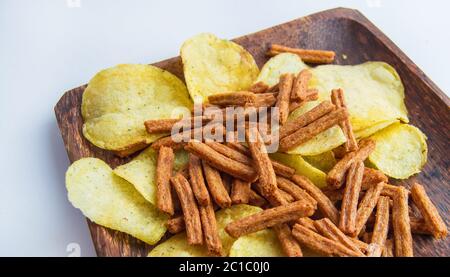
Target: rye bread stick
column 349, row 206
column 311, row 95
column 300, row 85
column 388, row 249
column 269, row 218
column 230, row 152
column 307, row 222
column 165, row 125
column 259, row 87
column 176, row 225
column 164, row 167
column 320, row 243
column 289, row 244
column 284, row 95
column 294, row 190
column 338, row 99
column 275, row 199
column 288, row 197
column 240, row 191
column 367, row 205
column 210, row 231
column 336, row 175
column 372, row 177
column 238, row 147
column 262, row 162
column 167, row 142
column 307, row 55
column 323, row 202
column 197, row 180
column 374, row 250
column 238, row 98
column 255, row 199
column 190, row 209
column 216, row 187
column 264, row 100
column 315, row 113
column 282, row 170
column 221, row 162
column 429, row 212
column 400, row 222
column 331, row 231
column 381, row 227
column 306, row 133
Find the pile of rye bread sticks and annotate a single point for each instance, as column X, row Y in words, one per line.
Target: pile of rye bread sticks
column 358, row 214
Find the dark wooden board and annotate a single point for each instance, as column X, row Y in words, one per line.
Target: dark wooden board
column 345, row 31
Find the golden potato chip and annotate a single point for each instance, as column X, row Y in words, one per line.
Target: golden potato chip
column 364, row 133
column 141, row 170
column 110, row 201
column 324, row 161
column 212, row 65
column 401, row 150
column 264, row 243
column 302, row 167
column 119, row 99
column 177, row 246
column 278, row 65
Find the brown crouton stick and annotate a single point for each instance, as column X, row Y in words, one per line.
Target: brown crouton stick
column 164, row 167
column 256, row 200
column 259, row 87
column 294, row 190
column 381, row 227
column 176, row 225
column 216, row 186
column 210, row 231
column 289, row 244
column 300, row 85
column 337, row 97
column 401, row 225
column 311, row 95
column 197, row 180
column 240, row 191
column 239, row 98
column 307, row 55
column 367, row 205
column 284, row 95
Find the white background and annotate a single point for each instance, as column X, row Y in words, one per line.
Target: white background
column 48, row 47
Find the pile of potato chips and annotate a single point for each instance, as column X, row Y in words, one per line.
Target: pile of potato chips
column 118, row 100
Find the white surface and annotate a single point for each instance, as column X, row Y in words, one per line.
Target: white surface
column 48, row 47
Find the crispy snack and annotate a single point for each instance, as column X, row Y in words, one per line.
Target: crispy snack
column 310, row 116
column 230, row 152
column 197, row 180
column 275, row 199
column 264, row 100
column 320, row 243
column 307, row 55
column 267, row 177
column 429, row 212
column 255, row 199
column 165, row 125
column 216, row 186
column 307, row 222
column 331, row 231
column 221, row 162
column 294, row 190
column 310, row 95
column 259, row 87
column 337, row 97
column 164, row 168
column 283, row 100
column 323, row 202
column 190, row 209
column 290, row 246
column 349, row 206
column 240, row 191
column 374, row 250
column 388, row 249
column 336, row 175
column 400, row 223
column 269, row 218
column 367, row 205
column 238, row 147
column 282, row 170
column 210, row 230
column 167, row 142
column 176, row 225
column 289, row 198
column 300, row 86
column 306, row 133
column 372, row 177
column 238, row 98
column 381, row 227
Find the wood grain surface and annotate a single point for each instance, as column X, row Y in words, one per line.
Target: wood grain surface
column 348, row 33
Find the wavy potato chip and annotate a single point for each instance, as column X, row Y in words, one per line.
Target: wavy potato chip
column 110, row 201
column 178, row 246
column 119, row 99
column 264, row 243
column 324, row 161
column 401, row 151
column 141, row 170
column 212, row 65
column 278, row 65
column 364, row 133
column 302, row 167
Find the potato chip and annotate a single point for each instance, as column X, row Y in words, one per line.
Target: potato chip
column 324, row 161
column 177, row 246
column 364, row 133
column 264, row 243
column 141, row 170
column 401, row 151
column 302, row 167
column 110, row 201
column 212, row 65
column 278, row 65
column 119, row 99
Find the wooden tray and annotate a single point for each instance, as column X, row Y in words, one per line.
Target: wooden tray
column 345, row 31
